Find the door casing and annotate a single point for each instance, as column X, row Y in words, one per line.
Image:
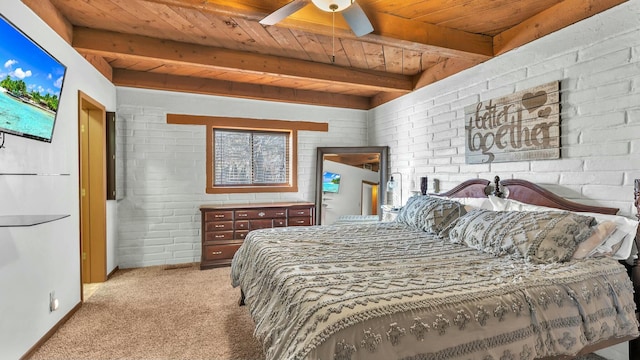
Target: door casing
column 93, row 206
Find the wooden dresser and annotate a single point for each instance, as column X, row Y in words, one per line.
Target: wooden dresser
column 224, row 227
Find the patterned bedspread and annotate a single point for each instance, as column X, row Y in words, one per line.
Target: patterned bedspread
column 384, row 291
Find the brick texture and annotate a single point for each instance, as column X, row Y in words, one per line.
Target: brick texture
column 597, row 62
column 162, row 169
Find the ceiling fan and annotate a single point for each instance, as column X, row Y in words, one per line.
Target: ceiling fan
column 350, row 10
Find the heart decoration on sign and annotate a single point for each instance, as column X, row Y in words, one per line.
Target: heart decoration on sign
column 545, row 112
column 531, row 102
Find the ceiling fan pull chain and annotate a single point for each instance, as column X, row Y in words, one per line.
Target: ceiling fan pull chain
column 333, row 37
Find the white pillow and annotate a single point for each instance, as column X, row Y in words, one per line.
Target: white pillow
column 623, row 236
column 498, row 203
column 600, row 233
column 476, row 203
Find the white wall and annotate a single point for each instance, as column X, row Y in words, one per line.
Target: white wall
column 43, row 258
column 164, row 167
column 598, row 63
column 347, row 200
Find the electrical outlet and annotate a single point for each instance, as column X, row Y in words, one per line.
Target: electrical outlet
column 53, row 302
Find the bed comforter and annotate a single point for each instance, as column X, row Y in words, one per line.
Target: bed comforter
column 386, row 291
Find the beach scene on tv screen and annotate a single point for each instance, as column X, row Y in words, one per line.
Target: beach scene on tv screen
column 30, row 85
column 330, row 182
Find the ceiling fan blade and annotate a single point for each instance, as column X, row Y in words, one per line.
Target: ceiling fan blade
column 357, row 20
column 279, row 15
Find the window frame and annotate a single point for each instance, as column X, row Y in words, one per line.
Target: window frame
column 292, row 186
column 224, row 122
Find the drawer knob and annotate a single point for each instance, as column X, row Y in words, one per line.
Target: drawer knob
column 216, row 253
column 242, row 215
column 300, row 212
column 219, row 225
column 219, row 236
column 219, row 215
column 261, row 214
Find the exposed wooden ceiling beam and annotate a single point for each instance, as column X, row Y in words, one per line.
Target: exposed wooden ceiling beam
column 382, row 98
column 146, row 80
column 388, row 29
column 50, row 15
column 442, row 70
column 101, row 65
column 550, row 20
column 439, row 39
column 431, row 75
column 106, row 43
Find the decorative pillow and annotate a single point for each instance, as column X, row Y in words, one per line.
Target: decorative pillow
column 429, row 213
column 540, row 237
column 618, row 245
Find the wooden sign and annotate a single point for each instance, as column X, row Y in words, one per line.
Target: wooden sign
column 522, row 126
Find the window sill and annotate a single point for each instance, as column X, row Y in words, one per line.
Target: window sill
column 250, row 189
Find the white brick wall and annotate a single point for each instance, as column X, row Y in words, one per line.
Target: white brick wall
column 162, row 167
column 598, row 63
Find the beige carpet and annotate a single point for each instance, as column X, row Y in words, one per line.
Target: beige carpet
column 153, row 313
column 160, row 314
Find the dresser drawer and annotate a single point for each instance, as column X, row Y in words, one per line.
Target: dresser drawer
column 242, row 225
column 218, row 215
column 219, row 225
column 299, row 212
column 219, row 252
column 299, row 221
column 261, row 213
column 260, row 224
column 240, row 235
column 279, row 222
column 218, row 235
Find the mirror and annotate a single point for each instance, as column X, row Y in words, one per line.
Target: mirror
column 350, row 181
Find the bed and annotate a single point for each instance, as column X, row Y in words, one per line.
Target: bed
column 436, row 284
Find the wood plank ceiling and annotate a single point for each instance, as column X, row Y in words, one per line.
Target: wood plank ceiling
column 219, row 47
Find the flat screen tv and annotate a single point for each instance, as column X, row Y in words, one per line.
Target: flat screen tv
column 330, row 182
column 30, row 85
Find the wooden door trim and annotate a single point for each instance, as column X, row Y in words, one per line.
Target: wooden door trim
column 87, row 103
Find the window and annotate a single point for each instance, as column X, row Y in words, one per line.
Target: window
column 243, row 160
column 251, row 157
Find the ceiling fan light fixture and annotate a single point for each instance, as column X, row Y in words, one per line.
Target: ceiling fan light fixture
column 332, row 5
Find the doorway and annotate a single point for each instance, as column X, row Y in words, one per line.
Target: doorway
column 93, row 204
column 369, row 198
